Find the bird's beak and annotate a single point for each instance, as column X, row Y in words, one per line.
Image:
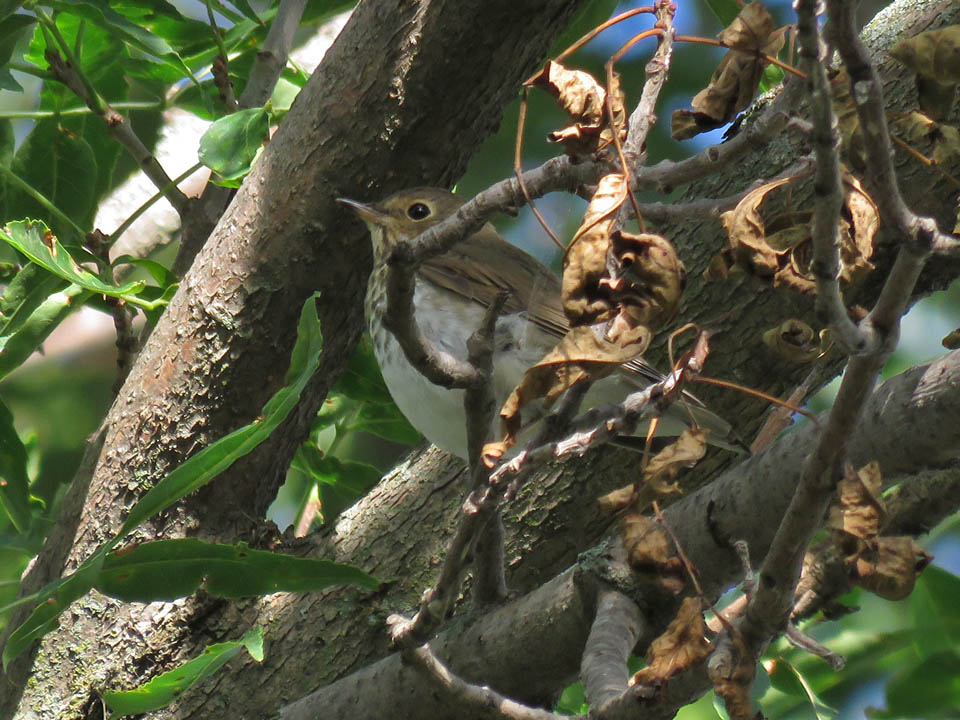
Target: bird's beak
column 366, row 212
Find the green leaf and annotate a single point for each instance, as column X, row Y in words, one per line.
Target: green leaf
column 12, row 28
column 14, row 483
column 248, row 12
column 101, row 14
column 28, row 289
column 34, row 239
column 230, row 146
column 200, row 469
column 60, row 166
column 160, row 273
column 787, row 678
column 385, row 421
column 341, row 482
column 930, row 689
column 16, row 348
column 191, row 475
column 52, row 601
column 725, row 11
column 169, row 569
column 361, row 380
column 934, row 610
column 167, row 687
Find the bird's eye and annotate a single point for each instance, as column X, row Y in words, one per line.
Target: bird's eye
column 418, row 211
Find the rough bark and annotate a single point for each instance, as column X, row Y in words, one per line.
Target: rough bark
column 358, row 130
column 404, row 97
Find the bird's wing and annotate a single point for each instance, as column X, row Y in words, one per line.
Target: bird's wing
column 486, row 264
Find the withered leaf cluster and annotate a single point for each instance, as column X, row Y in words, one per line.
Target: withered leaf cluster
column 618, row 289
column 734, row 83
column 660, row 474
column 584, row 99
column 935, row 57
column 778, row 250
column 682, row 645
column 886, row 566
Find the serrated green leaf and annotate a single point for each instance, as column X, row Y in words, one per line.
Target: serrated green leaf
column 101, row 14
column 16, row 348
column 167, row 687
column 34, row 239
column 170, row 569
column 200, row 469
column 230, row 146
column 14, row 483
column 191, row 475
column 60, row 166
column 52, row 601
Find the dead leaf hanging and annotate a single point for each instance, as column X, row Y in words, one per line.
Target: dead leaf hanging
column 583, row 354
column 584, row 99
column 935, row 57
column 794, row 340
column 736, row 79
column 683, row 644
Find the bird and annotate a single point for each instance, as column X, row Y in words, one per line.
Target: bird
column 451, row 295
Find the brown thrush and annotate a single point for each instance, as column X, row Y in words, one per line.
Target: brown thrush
column 452, row 293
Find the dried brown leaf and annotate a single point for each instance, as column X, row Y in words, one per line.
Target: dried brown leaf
column 682, row 645
column 735, row 81
column 794, row 340
column 585, row 261
column 583, row 98
column 921, row 129
column 648, row 278
column 662, row 470
column 857, row 516
column 649, row 551
column 781, row 251
column 952, row 341
column 935, row 57
column 732, row 684
column 891, row 569
column 747, row 232
column 934, row 54
column 583, row 354
column 719, row 267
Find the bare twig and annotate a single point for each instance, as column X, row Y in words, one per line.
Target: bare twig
column 118, row 128
column 616, row 627
column 475, row 700
column 827, row 189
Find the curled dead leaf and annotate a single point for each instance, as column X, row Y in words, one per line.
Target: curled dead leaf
column 682, row 645
column 585, row 261
column 892, row 567
column 935, row 57
column 685, row 452
column 794, row 340
column 735, row 81
column 584, row 99
column 584, row 353
column 780, row 250
column 649, row 551
column 858, row 514
column 952, row 341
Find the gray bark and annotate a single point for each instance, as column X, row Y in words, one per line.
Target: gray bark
column 216, row 355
